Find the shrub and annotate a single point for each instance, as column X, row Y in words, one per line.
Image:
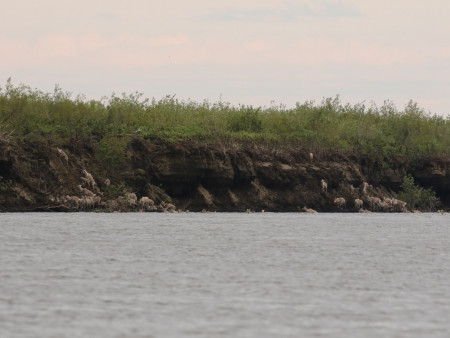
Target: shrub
column 111, row 151
column 379, row 132
column 417, row 197
column 246, row 119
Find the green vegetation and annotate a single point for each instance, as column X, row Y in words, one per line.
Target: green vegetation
column 417, row 197
column 110, row 150
column 113, row 191
column 384, row 131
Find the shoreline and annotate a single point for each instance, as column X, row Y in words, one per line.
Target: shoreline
column 163, row 176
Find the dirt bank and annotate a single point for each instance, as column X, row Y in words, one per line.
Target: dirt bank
column 36, row 176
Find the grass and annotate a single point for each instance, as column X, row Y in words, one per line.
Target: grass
column 27, row 113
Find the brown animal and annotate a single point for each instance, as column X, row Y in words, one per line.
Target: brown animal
column 308, row 210
column 62, row 154
column 324, row 185
column 340, row 202
column 374, row 202
column 146, row 204
column 358, row 203
column 88, row 179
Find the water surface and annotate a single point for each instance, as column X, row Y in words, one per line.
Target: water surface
column 224, row 274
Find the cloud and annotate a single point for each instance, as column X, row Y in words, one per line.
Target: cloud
column 287, row 12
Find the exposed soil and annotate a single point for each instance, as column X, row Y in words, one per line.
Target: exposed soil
column 196, row 177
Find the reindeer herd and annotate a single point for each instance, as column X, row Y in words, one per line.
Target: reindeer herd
column 89, row 200
column 373, row 203
column 90, row 197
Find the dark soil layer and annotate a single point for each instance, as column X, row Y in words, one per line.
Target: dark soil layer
column 196, row 177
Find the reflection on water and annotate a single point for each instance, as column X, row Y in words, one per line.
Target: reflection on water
column 222, row 275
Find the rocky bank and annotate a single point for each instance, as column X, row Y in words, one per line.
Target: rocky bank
column 35, row 176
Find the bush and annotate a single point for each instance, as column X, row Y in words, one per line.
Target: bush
column 418, row 197
column 246, row 119
column 111, row 151
column 379, row 132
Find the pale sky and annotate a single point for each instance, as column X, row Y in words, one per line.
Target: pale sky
column 255, row 52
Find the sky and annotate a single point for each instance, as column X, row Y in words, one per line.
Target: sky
column 253, row 52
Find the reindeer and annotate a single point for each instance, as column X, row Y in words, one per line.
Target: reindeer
column 340, row 202
column 324, row 185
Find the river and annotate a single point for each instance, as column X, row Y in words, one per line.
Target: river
column 224, row 275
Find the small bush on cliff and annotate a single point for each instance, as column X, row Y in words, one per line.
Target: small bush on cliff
column 114, row 190
column 111, row 151
column 418, row 197
column 5, row 185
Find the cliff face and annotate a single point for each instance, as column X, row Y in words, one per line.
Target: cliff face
column 193, row 176
column 435, row 173
column 235, row 179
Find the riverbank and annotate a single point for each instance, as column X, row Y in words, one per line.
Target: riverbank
column 129, row 153
column 195, row 176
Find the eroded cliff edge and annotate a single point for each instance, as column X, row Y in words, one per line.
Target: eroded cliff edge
column 195, row 176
